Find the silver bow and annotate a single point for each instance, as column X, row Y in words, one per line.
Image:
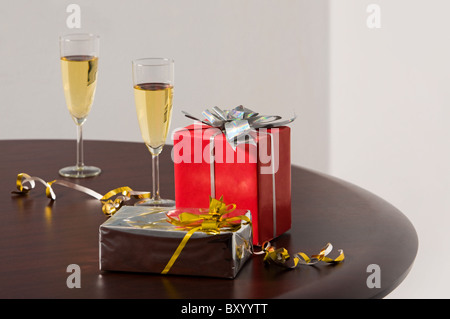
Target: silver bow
column 239, row 124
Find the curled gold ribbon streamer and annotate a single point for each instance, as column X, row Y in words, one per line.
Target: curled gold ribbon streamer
column 110, row 207
column 25, row 183
column 282, row 258
column 212, row 223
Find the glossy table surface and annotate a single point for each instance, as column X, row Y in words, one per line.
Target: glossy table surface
column 39, row 239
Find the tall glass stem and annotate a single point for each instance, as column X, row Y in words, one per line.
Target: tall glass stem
column 80, row 155
column 155, row 176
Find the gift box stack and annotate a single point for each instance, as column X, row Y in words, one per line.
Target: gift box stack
column 236, row 155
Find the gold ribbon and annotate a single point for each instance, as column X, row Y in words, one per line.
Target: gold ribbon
column 25, row 183
column 212, row 222
column 282, row 258
column 110, row 207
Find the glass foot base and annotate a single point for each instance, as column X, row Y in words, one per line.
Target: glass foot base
column 79, row 172
column 156, row 202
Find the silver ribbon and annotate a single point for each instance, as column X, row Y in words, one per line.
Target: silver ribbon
column 239, row 124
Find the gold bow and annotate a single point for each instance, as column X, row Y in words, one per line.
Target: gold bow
column 110, row 206
column 212, row 222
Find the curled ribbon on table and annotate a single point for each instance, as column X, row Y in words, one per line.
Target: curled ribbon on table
column 110, row 206
column 237, row 124
column 213, row 221
column 282, row 258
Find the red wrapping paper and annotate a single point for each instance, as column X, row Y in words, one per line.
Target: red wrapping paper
column 243, row 177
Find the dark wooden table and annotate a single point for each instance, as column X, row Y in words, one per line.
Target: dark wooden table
column 39, row 239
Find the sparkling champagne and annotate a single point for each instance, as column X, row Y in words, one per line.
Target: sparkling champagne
column 79, row 76
column 154, row 108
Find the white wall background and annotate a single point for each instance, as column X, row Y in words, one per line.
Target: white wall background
column 258, row 53
column 371, row 103
column 390, row 115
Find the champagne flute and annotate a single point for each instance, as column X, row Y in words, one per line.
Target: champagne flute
column 153, row 81
column 79, row 61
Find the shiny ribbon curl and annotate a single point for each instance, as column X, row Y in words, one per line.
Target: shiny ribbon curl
column 282, row 258
column 213, row 221
column 109, row 207
column 239, row 124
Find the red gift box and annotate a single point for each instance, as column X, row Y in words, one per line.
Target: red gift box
column 254, row 177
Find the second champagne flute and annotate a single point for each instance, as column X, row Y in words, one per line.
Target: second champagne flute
column 153, row 81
